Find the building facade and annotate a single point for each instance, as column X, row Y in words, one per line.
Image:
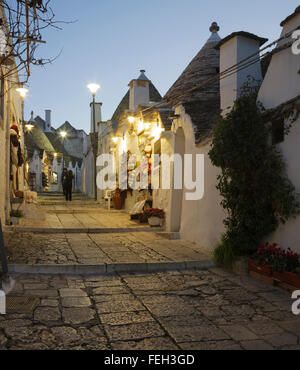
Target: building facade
column 48, row 153
column 12, row 168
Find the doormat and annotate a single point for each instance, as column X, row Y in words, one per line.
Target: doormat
column 21, row 304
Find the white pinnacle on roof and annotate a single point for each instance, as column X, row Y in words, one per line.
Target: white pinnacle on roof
column 214, row 28
column 143, row 76
column 32, row 117
column 204, row 66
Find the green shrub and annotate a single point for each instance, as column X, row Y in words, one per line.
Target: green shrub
column 224, row 255
column 257, row 195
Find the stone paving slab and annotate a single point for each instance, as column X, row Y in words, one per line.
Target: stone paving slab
column 188, row 310
column 78, row 217
column 101, row 253
column 80, row 222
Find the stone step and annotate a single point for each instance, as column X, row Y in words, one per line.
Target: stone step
column 106, row 269
column 64, row 203
column 170, row 235
column 81, row 230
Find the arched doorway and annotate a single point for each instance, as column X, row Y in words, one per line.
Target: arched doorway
column 177, row 194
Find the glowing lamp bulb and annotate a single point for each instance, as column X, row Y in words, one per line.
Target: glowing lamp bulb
column 93, row 88
column 63, row 134
column 22, row 91
column 29, row 127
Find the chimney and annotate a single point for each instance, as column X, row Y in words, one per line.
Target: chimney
column 139, row 92
column 48, row 120
column 233, row 49
column 98, row 116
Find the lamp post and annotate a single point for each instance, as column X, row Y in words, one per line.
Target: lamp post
column 93, row 89
column 63, row 135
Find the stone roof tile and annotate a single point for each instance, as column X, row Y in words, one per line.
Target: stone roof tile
column 204, row 66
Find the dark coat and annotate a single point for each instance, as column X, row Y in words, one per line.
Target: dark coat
column 69, row 180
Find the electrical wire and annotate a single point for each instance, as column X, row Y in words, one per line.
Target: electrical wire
column 241, row 65
column 224, row 74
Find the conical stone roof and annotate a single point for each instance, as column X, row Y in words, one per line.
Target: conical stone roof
column 204, row 66
column 124, row 104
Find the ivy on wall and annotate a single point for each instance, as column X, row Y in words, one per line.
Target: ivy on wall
column 257, row 195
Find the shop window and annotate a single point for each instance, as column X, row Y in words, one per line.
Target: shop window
column 277, row 131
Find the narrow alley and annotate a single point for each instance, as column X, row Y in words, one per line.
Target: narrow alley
column 117, row 285
column 58, row 236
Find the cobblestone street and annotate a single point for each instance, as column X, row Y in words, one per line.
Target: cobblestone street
column 66, row 235
column 166, row 310
column 95, row 249
column 191, row 310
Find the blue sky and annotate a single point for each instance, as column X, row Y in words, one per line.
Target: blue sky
column 113, row 39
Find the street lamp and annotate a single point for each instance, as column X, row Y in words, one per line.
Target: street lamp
column 22, row 91
column 63, row 135
column 29, row 126
column 93, row 89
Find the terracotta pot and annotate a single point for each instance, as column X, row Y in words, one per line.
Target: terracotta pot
column 154, row 221
column 117, row 203
column 260, row 269
column 117, row 199
column 288, row 278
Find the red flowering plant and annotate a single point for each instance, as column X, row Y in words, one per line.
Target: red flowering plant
column 279, row 259
column 154, row 212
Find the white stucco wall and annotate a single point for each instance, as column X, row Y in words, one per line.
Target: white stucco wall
column 161, row 197
column 139, row 94
column 282, row 83
column 87, row 174
column 232, row 52
column 201, row 220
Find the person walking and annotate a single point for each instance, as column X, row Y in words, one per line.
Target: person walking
column 69, row 185
column 63, row 180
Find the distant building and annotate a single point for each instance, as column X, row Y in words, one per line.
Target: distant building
column 48, row 153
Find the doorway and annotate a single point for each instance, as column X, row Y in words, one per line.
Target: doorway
column 177, row 194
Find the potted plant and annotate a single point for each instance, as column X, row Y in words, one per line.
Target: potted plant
column 155, row 216
column 261, row 260
column 117, row 199
column 286, row 267
column 282, row 265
